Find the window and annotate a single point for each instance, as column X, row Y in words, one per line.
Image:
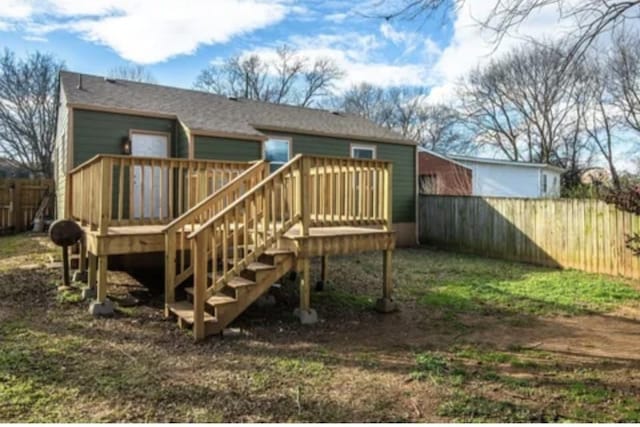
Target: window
column 363, row 151
column 544, row 183
column 277, row 151
column 428, row 184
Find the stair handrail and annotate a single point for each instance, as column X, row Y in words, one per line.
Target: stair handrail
column 253, row 174
column 256, row 169
column 258, row 187
column 256, row 207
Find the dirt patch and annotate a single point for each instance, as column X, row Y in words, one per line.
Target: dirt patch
column 423, row 363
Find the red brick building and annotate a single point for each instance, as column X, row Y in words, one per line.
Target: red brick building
column 438, row 174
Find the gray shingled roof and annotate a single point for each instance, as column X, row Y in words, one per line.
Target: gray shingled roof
column 201, row 111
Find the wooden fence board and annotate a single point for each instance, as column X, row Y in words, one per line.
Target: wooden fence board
column 587, row 235
column 19, row 201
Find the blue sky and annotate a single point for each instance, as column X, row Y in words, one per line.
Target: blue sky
column 175, row 43
column 176, row 39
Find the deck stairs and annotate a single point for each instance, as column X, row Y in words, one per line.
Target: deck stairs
column 233, row 254
column 237, row 294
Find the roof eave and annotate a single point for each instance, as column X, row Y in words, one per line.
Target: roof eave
column 399, row 141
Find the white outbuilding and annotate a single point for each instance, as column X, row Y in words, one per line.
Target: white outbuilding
column 503, row 178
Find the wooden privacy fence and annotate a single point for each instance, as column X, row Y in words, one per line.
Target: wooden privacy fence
column 588, row 235
column 19, row 201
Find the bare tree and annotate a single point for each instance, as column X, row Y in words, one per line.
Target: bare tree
column 132, row 72
column 624, row 64
column 406, row 110
column 444, row 130
column 28, row 105
column 289, row 78
column 524, row 104
column 600, row 119
column 371, row 102
column 591, row 18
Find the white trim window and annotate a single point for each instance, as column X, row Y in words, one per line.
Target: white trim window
column 361, row 151
column 277, row 151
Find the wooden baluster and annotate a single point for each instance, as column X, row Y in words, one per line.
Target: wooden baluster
column 304, row 195
column 265, row 215
column 224, row 244
column 235, row 236
column 171, row 195
column 121, row 190
column 245, row 228
column 214, row 256
column 272, row 196
column 105, row 196
column 152, row 191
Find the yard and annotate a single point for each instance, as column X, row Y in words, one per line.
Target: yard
column 475, row 340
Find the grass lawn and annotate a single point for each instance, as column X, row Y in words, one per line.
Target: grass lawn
column 475, row 340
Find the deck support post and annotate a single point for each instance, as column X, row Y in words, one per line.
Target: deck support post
column 89, row 292
column 324, row 271
column 386, row 304
column 102, row 306
column 199, row 285
column 169, row 271
column 305, row 313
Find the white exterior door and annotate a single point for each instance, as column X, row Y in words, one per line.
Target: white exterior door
column 150, row 184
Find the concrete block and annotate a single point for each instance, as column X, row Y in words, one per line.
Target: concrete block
column 307, row 317
column 101, row 309
column 88, row 293
column 386, row 305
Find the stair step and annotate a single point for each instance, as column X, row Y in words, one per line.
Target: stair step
column 216, row 299
column 278, row 251
column 236, row 282
column 184, row 310
column 256, row 266
column 240, row 282
column 221, row 300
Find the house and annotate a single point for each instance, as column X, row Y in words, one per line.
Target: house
column 503, row 178
column 438, row 174
column 234, row 192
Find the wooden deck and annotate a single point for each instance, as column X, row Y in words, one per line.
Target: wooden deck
column 136, row 239
column 233, row 228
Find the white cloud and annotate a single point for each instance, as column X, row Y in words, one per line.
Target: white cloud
column 355, row 53
column 336, row 18
column 392, row 34
column 15, row 9
column 149, row 31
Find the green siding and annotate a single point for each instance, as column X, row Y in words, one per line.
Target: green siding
column 402, row 156
column 207, row 147
column 182, row 142
column 97, row 132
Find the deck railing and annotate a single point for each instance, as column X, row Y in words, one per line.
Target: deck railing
column 309, row 190
column 346, row 191
column 112, row 190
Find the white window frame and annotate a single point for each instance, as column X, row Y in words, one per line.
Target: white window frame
column 369, row 147
column 279, row 138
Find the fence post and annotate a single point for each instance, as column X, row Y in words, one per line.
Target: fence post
column 16, row 203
